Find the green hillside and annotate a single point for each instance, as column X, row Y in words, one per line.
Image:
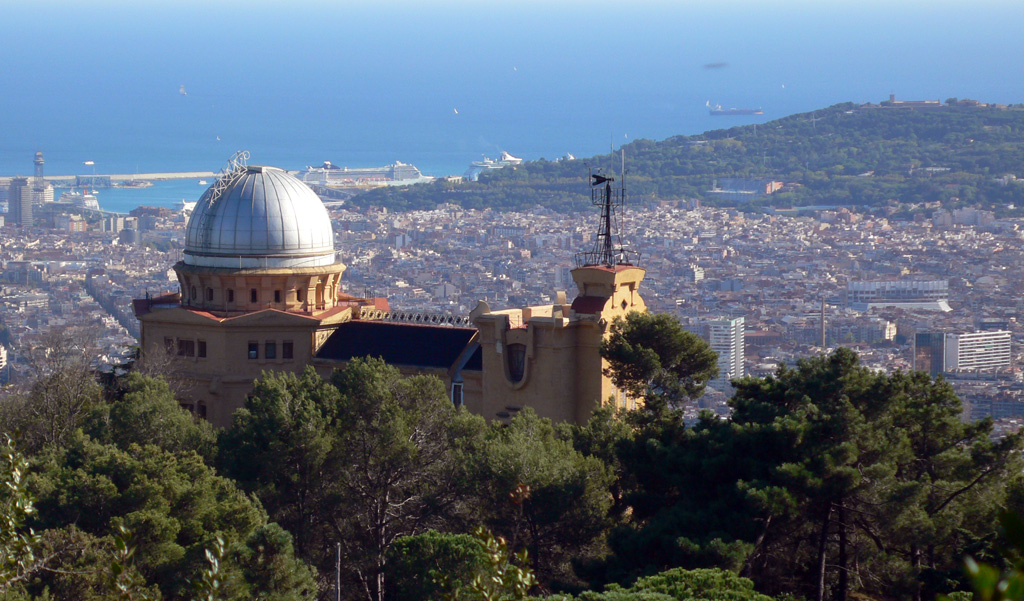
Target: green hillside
column 843, row 154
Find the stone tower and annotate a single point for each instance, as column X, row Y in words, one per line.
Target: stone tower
column 548, row 357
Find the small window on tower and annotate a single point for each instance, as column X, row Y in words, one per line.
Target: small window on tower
column 516, row 361
column 193, row 295
column 254, row 350
column 270, row 350
column 231, row 295
column 277, row 296
column 252, row 295
column 201, row 348
column 209, row 294
column 287, row 349
column 298, row 294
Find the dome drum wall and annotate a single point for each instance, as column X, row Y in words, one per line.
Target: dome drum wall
column 264, row 218
column 226, row 291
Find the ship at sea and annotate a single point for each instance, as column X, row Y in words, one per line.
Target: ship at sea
column 331, row 176
column 718, row 111
column 185, row 207
column 478, row 167
column 84, row 199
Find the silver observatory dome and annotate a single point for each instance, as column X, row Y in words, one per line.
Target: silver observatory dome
column 259, row 217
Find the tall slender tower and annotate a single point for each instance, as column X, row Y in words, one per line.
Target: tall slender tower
column 727, row 340
column 19, row 202
column 824, row 340
column 40, row 191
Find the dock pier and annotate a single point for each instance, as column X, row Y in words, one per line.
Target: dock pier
column 123, row 177
column 68, row 181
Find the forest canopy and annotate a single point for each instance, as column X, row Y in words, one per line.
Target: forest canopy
column 827, row 481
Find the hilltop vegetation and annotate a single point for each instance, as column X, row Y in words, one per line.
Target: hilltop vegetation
column 843, row 154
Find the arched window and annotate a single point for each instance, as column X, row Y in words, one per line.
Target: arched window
column 516, row 361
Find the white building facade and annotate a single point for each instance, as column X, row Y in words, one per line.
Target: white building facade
column 975, row 351
column 726, row 339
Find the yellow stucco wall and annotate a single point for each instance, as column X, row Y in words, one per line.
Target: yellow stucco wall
column 562, row 378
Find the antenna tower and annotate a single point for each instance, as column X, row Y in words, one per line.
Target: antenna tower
column 39, row 166
column 608, row 248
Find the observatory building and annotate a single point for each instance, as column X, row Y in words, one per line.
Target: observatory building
column 260, row 290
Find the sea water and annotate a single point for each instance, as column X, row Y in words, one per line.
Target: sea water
column 440, row 85
column 165, row 193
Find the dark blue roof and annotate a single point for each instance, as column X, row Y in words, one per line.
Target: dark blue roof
column 400, row 344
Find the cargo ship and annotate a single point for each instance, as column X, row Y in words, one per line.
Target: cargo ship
column 718, row 111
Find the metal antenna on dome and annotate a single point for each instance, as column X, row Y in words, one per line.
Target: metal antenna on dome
column 233, row 169
column 235, row 166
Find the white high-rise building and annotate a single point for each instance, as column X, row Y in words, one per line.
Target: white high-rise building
column 977, row 351
column 726, row 338
column 693, row 273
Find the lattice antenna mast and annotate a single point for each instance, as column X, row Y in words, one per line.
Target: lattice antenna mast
column 233, row 169
column 608, row 248
column 604, row 231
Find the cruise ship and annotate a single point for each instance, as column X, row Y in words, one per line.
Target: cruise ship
column 79, row 199
column 185, row 207
column 330, row 175
column 478, row 167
